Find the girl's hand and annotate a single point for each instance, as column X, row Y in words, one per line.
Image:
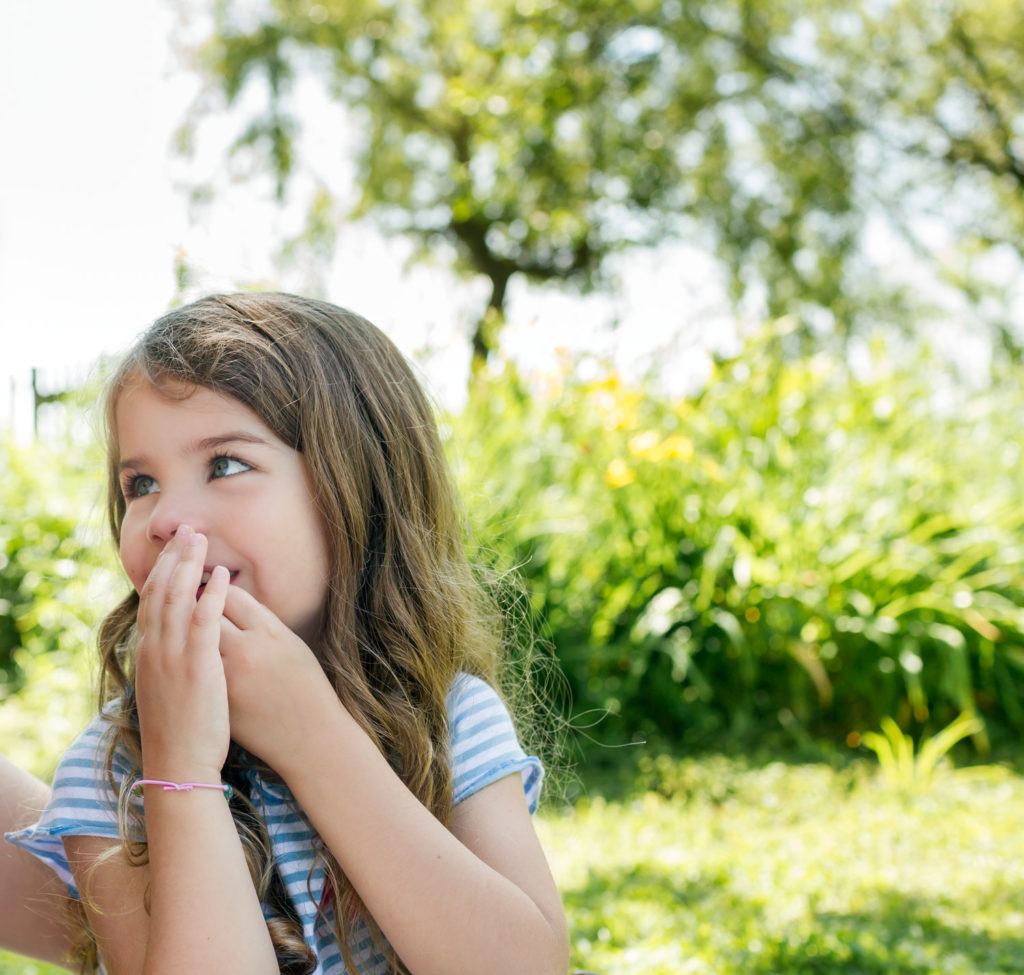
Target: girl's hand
column 275, row 683
column 179, row 682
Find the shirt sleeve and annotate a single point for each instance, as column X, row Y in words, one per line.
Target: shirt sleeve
column 484, row 743
column 81, row 803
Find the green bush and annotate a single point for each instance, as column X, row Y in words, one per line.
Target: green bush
column 57, row 578
column 794, row 547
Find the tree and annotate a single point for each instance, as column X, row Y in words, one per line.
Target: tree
column 942, row 84
column 539, row 137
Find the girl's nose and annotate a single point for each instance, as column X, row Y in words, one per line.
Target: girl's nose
column 171, row 512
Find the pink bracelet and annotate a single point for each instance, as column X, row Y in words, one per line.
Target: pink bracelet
column 183, row 787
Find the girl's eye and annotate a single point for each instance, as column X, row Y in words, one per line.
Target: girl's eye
column 139, row 485
column 226, row 466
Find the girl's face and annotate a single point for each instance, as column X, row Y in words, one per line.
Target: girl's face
column 209, row 462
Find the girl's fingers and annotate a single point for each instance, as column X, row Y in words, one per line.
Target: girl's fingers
column 242, row 615
column 186, row 574
column 179, row 597
column 208, row 614
column 168, row 599
column 152, row 596
column 230, row 635
column 243, row 609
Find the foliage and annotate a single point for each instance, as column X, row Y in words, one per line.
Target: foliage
column 56, row 581
column 53, row 553
column 795, row 547
column 538, row 137
column 901, row 767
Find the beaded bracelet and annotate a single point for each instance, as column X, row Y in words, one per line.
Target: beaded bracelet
column 183, row 787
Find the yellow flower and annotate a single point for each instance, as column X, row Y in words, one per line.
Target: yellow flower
column 676, row 447
column 619, row 473
column 648, row 446
column 643, row 443
column 712, row 469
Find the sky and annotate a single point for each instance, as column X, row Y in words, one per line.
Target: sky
column 92, row 215
column 88, row 222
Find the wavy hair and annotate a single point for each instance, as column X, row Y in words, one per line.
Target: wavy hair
column 404, row 612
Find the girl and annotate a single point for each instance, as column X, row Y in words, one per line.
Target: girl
column 304, row 638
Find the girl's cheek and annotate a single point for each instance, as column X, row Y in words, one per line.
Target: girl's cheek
column 134, row 573
column 132, row 561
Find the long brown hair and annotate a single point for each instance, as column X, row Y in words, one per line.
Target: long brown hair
column 404, row 612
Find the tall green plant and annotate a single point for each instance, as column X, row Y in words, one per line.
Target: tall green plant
column 796, row 545
column 908, row 770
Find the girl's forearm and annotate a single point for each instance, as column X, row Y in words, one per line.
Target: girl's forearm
column 205, row 914
column 443, row 909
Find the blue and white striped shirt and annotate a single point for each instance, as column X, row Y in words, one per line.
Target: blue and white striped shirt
column 484, row 749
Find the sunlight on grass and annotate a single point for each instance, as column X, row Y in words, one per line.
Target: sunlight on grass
column 784, row 869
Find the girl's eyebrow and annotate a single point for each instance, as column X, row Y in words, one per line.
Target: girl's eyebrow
column 201, row 446
column 235, row 436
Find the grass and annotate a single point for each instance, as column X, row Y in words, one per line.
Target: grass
column 722, row 868
column 717, row 866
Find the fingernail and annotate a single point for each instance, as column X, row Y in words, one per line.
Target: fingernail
column 182, row 531
column 195, row 540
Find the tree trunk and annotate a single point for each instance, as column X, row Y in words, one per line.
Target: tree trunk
column 488, row 327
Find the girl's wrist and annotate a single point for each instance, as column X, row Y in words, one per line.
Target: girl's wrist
column 287, row 750
column 180, row 772
column 335, row 725
column 139, row 789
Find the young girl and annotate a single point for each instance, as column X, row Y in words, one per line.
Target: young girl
column 305, row 640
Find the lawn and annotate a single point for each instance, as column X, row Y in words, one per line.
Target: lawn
column 723, row 868
column 717, row 866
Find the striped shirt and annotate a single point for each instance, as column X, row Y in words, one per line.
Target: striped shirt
column 484, row 749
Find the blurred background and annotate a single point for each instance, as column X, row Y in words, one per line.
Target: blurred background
column 722, row 307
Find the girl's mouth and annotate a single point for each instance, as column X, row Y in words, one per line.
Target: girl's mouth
column 206, row 578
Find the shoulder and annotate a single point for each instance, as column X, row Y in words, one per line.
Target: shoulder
column 83, row 767
column 468, row 692
column 83, row 799
column 476, row 713
column 484, row 745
